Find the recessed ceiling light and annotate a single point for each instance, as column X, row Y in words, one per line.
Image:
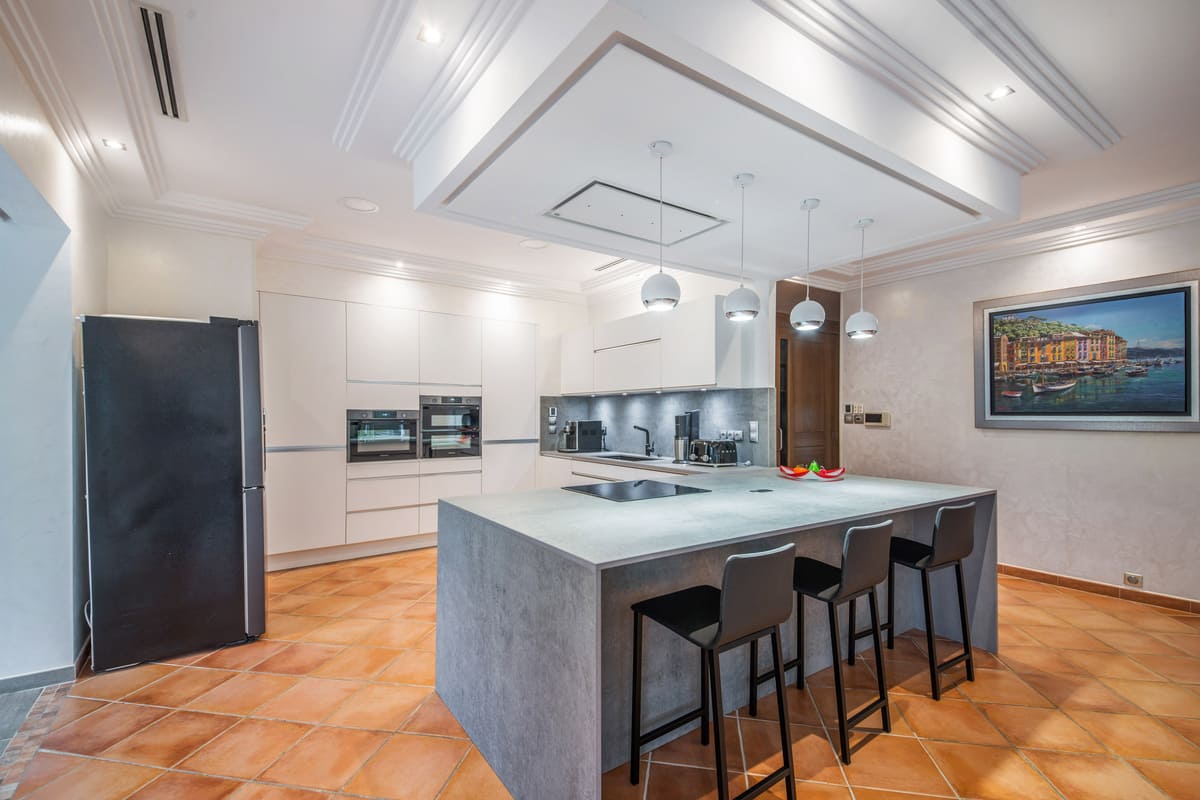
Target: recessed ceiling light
column 113, row 144
column 429, row 35
column 1000, row 92
column 360, row 204
column 533, row 244
column 1079, row 228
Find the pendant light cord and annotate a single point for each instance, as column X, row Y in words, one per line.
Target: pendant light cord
column 862, row 258
column 660, row 214
column 807, row 254
column 742, row 244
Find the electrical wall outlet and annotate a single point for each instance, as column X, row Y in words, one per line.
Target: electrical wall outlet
column 753, row 431
column 859, row 417
column 1133, row 579
column 848, row 417
column 738, row 435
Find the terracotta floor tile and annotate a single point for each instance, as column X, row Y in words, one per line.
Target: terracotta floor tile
column 435, row 719
column 670, row 782
column 1041, row 728
column 181, row 786
column 310, row 700
column 241, row 656
column 169, row 740
column 1188, row 644
column 1081, row 692
column 342, row 631
column 322, row 586
column 1027, row 615
column 801, row 710
column 330, row 605
column 1013, row 635
column 810, row 790
column 1134, row 642
column 357, row 663
column 44, row 768
column 378, row 609
column 286, row 603
column 290, row 627
column 615, row 785
column 185, row 659
column 1083, row 777
column 102, row 728
column 402, row 590
column 300, row 658
column 857, row 677
column 1137, row 736
column 687, row 750
column 989, row 773
column 1179, row 781
column 1163, row 699
column 180, row 687
column 382, row 707
column 1190, row 728
column 813, row 758
column 415, row 667
column 97, row 780
column 1180, row 669
column 352, row 573
column 397, row 633
column 115, row 685
column 1055, row 600
column 856, row 699
column 246, row 749
column 474, row 780
column 1067, row 638
column 266, row 791
column 1153, row 621
column 327, row 758
column 1091, row 619
column 243, row 693
column 72, row 708
column 1038, row 658
column 421, row 611
column 409, row 768
column 1002, row 686
column 879, row 794
column 898, row 763
column 1111, row 665
column 949, row 720
column 428, row 642
column 362, row 588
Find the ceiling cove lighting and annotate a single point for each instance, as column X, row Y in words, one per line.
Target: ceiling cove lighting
column 808, row 315
column 113, row 144
column 862, row 323
column 1000, row 92
column 429, row 35
column 660, row 292
column 741, row 305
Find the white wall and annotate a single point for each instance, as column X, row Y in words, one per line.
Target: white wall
column 551, row 317
column 52, row 265
column 1080, row 503
column 170, row 272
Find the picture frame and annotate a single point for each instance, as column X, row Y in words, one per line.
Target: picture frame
column 1116, row 356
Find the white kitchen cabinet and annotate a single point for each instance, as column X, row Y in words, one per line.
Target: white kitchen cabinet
column 577, row 365
column 304, row 370
column 391, row 523
column 451, row 349
column 510, row 401
column 383, row 395
column 450, row 484
column 369, row 494
column 629, row 368
column 644, row 327
column 305, row 499
column 689, row 344
column 509, row 467
column 381, row 344
column 552, row 472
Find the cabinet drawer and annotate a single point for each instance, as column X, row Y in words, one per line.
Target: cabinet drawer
column 371, row 526
column 367, row 493
column 437, row 466
column 428, row 519
column 381, row 469
column 435, row 487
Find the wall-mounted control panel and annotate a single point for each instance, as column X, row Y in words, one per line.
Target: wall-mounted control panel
column 856, row 414
column 877, row 419
column 552, row 420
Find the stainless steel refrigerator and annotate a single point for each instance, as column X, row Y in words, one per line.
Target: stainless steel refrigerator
column 174, row 463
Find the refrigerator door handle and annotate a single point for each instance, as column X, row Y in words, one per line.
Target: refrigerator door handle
column 254, row 564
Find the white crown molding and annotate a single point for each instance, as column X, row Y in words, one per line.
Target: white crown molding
column 25, row 40
column 158, row 215
column 386, row 29
column 619, row 273
column 185, row 201
column 112, row 18
column 486, row 34
column 1000, row 32
column 852, row 37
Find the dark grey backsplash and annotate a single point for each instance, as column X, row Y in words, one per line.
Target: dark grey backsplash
column 720, row 410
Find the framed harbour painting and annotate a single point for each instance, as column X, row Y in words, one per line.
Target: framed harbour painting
column 1111, row 356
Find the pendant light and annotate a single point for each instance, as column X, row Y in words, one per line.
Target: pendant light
column 862, row 323
column 808, row 315
column 660, row 292
column 741, row 305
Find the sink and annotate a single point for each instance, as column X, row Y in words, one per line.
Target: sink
column 623, row 457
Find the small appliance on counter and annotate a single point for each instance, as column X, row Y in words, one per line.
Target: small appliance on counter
column 581, row 436
column 714, row 453
column 568, row 440
column 687, row 430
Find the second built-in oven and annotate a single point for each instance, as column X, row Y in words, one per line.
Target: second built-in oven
column 381, row 435
column 450, row 426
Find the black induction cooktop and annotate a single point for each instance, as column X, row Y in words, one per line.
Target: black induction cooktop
column 625, row 491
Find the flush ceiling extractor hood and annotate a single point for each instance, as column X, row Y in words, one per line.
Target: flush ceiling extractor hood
column 607, row 207
column 157, row 32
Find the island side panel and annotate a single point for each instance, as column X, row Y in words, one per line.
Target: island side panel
column 517, row 655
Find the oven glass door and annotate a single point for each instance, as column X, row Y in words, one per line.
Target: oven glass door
column 449, row 431
column 381, row 439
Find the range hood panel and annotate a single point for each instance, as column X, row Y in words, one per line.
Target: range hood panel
column 606, row 207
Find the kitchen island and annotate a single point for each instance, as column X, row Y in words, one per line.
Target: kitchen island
column 534, row 634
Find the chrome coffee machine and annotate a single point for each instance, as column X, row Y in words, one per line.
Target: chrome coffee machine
column 582, row 436
column 687, row 430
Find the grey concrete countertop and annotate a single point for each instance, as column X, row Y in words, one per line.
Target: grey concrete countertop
column 659, row 463
column 604, row 534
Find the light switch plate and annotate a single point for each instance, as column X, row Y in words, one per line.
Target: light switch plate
column 753, row 430
column 848, row 417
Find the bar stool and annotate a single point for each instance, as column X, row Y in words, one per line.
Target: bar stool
column 753, row 601
column 953, row 540
column 864, row 566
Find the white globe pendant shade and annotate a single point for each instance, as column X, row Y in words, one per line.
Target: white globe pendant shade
column 660, row 292
column 862, row 325
column 808, row 315
column 741, row 305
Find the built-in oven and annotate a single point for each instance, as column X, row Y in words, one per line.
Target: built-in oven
column 450, row 426
column 381, row 435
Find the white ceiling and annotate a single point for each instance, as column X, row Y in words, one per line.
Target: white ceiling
column 290, row 107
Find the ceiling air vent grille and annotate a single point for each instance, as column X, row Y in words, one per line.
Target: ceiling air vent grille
column 154, row 25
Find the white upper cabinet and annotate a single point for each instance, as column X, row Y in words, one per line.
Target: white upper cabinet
column 304, row 369
column 629, row 330
column 381, row 344
column 689, row 344
column 633, row 367
column 451, row 349
column 509, row 380
column 578, row 369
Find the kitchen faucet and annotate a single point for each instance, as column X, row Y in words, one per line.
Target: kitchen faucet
column 649, row 444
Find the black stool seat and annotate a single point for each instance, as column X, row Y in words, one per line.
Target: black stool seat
column 816, row 578
column 911, row 553
column 693, row 613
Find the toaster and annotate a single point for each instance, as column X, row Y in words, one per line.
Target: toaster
column 713, row 453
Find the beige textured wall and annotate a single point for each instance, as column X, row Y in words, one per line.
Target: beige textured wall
column 1080, row 503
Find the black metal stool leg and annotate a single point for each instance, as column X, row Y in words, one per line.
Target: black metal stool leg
column 930, row 637
column 703, row 700
column 754, row 678
column 880, row 676
column 966, row 622
column 891, row 620
column 785, row 731
column 852, row 629
column 799, row 641
column 839, row 691
column 635, row 728
column 714, row 670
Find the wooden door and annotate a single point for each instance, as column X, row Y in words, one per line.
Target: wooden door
column 807, row 376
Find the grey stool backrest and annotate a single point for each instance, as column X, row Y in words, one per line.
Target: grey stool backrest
column 866, row 552
column 756, row 592
column 953, row 534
